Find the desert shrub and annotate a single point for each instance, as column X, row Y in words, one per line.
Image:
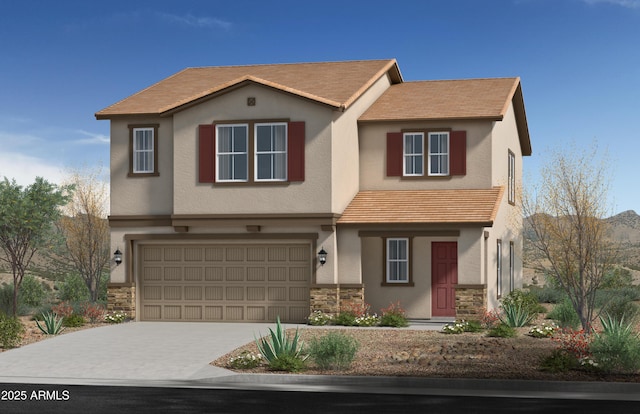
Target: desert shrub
column 547, row 294
column 115, row 317
column 6, row 301
column 73, row 289
column 461, row 326
column 63, row 309
column 367, row 320
column 502, row 330
column 565, row 315
column 32, row 292
column 345, row 319
column 617, row 348
column 73, row 321
column 394, row 316
column 92, row 312
column 559, row 361
column 333, row 351
column 620, row 307
column 282, row 352
column 11, row 330
column 544, row 331
column 617, row 278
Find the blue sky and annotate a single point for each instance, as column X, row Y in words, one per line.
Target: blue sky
column 60, row 62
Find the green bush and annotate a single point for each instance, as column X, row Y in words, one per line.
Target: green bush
column 345, row 319
column 280, row 351
column 11, row 331
column 617, row 348
column 620, row 307
column 73, row 289
column 32, row 292
column 519, row 308
column 565, row 315
column 6, row 301
column 559, row 361
column 333, row 351
column 502, row 330
column 547, row 294
column 73, row 321
column 246, row 360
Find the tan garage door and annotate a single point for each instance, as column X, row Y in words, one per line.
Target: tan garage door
column 241, row 283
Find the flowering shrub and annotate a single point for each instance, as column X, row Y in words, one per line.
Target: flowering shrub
column 319, row 318
column 93, row 312
column 490, row 319
column 574, row 342
column 246, row 360
column 543, row 331
column 457, row 327
column 393, row 315
column 62, row 309
column 367, row 320
column 115, row 317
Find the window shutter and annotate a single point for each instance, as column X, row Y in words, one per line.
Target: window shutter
column 394, row 154
column 458, row 161
column 206, row 154
column 295, row 151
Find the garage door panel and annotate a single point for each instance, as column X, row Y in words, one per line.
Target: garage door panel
column 253, row 282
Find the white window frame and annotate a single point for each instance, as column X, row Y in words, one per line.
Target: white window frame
column 414, row 158
column 499, row 266
column 511, row 178
column 273, row 152
column 394, row 263
column 232, row 153
column 512, row 264
column 147, row 153
column 446, row 155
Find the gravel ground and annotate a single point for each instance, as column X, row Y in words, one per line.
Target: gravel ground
column 419, row 353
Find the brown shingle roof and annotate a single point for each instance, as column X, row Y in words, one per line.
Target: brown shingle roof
column 473, row 206
column 448, row 99
column 337, row 84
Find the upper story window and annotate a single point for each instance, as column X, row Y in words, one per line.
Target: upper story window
column 232, row 152
column 143, row 146
column 438, row 153
column 512, row 178
column 426, row 153
column 271, row 152
column 413, row 154
column 251, row 152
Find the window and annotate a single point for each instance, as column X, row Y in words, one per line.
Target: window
column 512, row 178
column 499, row 267
column 232, row 152
column 397, row 260
column 413, row 154
column 271, row 152
column 438, row 153
column 512, row 265
column 143, row 147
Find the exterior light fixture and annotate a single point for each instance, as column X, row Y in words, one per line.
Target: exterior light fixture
column 322, row 256
column 117, row 257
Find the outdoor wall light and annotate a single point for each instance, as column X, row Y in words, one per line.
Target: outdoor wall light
column 117, row 257
column 322, row 257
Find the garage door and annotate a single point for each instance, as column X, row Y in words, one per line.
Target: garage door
column 240, row 283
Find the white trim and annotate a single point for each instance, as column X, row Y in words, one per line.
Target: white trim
column 390, row 261
column 446, row 154
column 148, row 152
column 272, row 152
column 412, row 155
column 219, row 153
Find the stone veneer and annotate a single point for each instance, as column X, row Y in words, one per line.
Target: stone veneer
column 471, row 301
column 122, row 297
column 330, row 298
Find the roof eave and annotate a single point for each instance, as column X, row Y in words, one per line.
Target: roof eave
column 438, row 119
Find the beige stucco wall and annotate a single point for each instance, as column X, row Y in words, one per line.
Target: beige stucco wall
column 373, row 148
column 140, row 195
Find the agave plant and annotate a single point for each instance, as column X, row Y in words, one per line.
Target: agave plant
column 52, row 325
column 281, row 351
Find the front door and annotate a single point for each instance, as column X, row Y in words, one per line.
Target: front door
column 444, row 278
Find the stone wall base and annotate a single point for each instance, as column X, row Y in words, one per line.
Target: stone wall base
column 331, row 298
column 471, row 301
column 121, row 297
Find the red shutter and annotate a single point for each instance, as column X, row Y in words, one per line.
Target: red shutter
column 295, row 151
column 394, row 154
column 206, row 154
column 458, row 162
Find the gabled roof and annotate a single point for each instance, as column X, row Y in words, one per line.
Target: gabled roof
column 447, row 100
column 469, row 206
column 336, row 84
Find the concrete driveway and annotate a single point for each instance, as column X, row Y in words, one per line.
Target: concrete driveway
column 128, row 353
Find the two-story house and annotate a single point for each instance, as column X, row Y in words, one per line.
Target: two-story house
column 249, row 192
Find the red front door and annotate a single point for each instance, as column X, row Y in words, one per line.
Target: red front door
column 444, row 278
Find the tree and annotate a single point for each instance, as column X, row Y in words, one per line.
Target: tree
column 26, row 220
column 568, row 234
column 85, row 230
